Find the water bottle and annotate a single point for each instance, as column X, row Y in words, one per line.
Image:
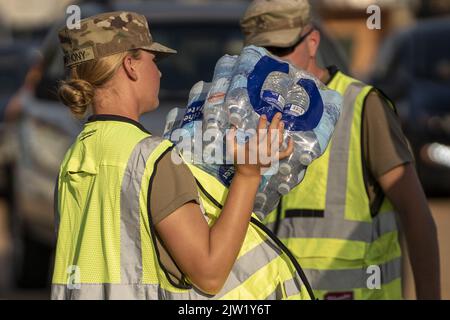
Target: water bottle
column 302, row 74
column 188, row 140
column 241, row 113
column 237, row 100
column 311, row 144
column 267, row 198
column 308, row 145
column 297, row 103
column 290, row 181
column 214, row 114
column 196, row 101
column 177, row 117
column 332, row 110
column 191, row 124
column 297, row 100
column 174, row 119
column 275, row 89
column 314, row 143
column 199, row 92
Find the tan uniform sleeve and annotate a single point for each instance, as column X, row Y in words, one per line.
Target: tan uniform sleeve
column 385, row 145
column 173, row 186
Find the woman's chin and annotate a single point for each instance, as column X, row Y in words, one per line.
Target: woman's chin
column 152, row 107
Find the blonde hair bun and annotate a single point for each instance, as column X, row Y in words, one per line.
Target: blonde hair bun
column 77, row 94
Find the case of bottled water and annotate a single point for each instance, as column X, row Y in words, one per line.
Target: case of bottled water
column 244, row 88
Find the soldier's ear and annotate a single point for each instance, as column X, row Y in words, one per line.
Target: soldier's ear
column 313, row 42
column 129, row 65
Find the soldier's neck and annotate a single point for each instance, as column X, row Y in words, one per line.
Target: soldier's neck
column 116, row 102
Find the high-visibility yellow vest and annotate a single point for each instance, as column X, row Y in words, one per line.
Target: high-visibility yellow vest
column 106, row 245
column 347, row 249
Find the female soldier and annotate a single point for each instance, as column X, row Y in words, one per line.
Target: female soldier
column 130, row 220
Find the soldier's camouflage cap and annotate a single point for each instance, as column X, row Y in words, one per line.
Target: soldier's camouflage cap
column 107, row 34
column 275, row 23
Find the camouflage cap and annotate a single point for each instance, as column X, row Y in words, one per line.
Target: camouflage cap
column 275, row 23
column 107, row 34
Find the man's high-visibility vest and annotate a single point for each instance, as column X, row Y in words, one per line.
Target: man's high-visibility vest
column 347, row 248
column 106, row 245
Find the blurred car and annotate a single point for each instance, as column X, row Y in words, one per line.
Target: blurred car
column 414, row 70
column 15, row 60
column 201, row 32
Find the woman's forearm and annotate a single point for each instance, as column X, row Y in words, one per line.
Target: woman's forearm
column 228, row 233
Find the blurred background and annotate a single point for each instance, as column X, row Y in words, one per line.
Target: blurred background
column 408, row 58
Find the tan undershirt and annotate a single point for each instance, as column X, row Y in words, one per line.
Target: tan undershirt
column 384, row 144
column 173, row 186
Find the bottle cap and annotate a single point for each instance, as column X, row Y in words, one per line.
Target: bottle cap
column 306, row 158
column 284, row 189
column 260, row 214
column 285, row 169
column 260, row 198
column 212, row 125
column 235, row 119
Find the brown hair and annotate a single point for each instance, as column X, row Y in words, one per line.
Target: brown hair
column 79, row 90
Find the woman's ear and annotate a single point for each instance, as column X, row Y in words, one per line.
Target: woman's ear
column 313, row 43
column 130, row 67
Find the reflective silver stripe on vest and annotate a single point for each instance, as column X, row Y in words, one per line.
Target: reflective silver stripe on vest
column 107, row 291
column 292, row 287
column 334, row 224
column 337, row 228
column 339, row 155
column 130, row 237
column 249, row 264
column 348, row 279
column 131, row 286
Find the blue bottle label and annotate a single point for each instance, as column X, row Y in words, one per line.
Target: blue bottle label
column 193, row 112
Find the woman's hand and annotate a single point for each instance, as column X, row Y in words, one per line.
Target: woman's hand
column 262, row 149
